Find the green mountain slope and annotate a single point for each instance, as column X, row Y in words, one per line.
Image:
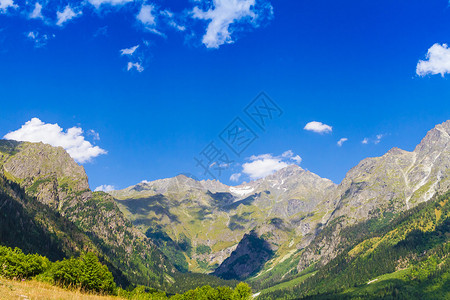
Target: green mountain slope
column 48, row 207
column 407, row 258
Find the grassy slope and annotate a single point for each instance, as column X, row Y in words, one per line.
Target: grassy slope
column 12, row 289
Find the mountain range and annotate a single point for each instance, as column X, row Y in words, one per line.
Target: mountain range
column 287, row 209
column 277, row 229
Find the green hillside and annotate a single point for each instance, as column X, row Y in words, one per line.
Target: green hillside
column 407, row 258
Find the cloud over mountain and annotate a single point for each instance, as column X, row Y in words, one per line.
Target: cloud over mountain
column 265, row 164
column 72, row 140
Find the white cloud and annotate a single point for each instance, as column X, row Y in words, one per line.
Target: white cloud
column 95, row 135
column 437, row 61
column 297, row 159
column 67, row 14
column 375, row 140
column 146, row 15
column 40, row 40
column 170, row 20
column 222, row 14
column 378, row 139
column 71, row 140
column 105, row 188
column 289, row 154
column 318, row 127
column 129, row 51
column 235, row 177
column 98, row 3
column 37, row 12
column 342, row 141
column 136, row 66
column 5, row 4
column 265, row 164
column 136, row 56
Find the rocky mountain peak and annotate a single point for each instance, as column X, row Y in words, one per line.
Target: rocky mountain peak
column 288, row 171
column 39, row 160
column 436, row 139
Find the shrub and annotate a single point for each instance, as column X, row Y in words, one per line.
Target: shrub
column 15, row 264
column 85, row 272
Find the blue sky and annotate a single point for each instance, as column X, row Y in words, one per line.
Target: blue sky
column 369, row 70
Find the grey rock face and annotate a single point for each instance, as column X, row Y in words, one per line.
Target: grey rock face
column 397, row 181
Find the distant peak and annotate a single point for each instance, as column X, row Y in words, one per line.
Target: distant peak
column 437, row 137
column 187, row 176
column 396, row 151
column 444, row 126
column 293, row 167
column 288, row 170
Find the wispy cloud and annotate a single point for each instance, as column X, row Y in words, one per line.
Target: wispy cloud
column 375, row 140
column 102, row 31
column 289, row 154
column 318, row 127
column 171, row 20
column 235, row 177
column 37, row 12
column 222, row 14
column 129, row 51
column 105, row 188
column 98, row 3
column 66, row 15
column 136, row 66
column 39, row 40
column 378, row 138
column 136, row 56
column 72, row 140
column 95, row 135
column 341, row 141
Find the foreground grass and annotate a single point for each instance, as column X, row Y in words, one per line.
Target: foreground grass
column 32, row 289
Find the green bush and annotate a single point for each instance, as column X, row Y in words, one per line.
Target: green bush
column 15, row 264
column 85, row 272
